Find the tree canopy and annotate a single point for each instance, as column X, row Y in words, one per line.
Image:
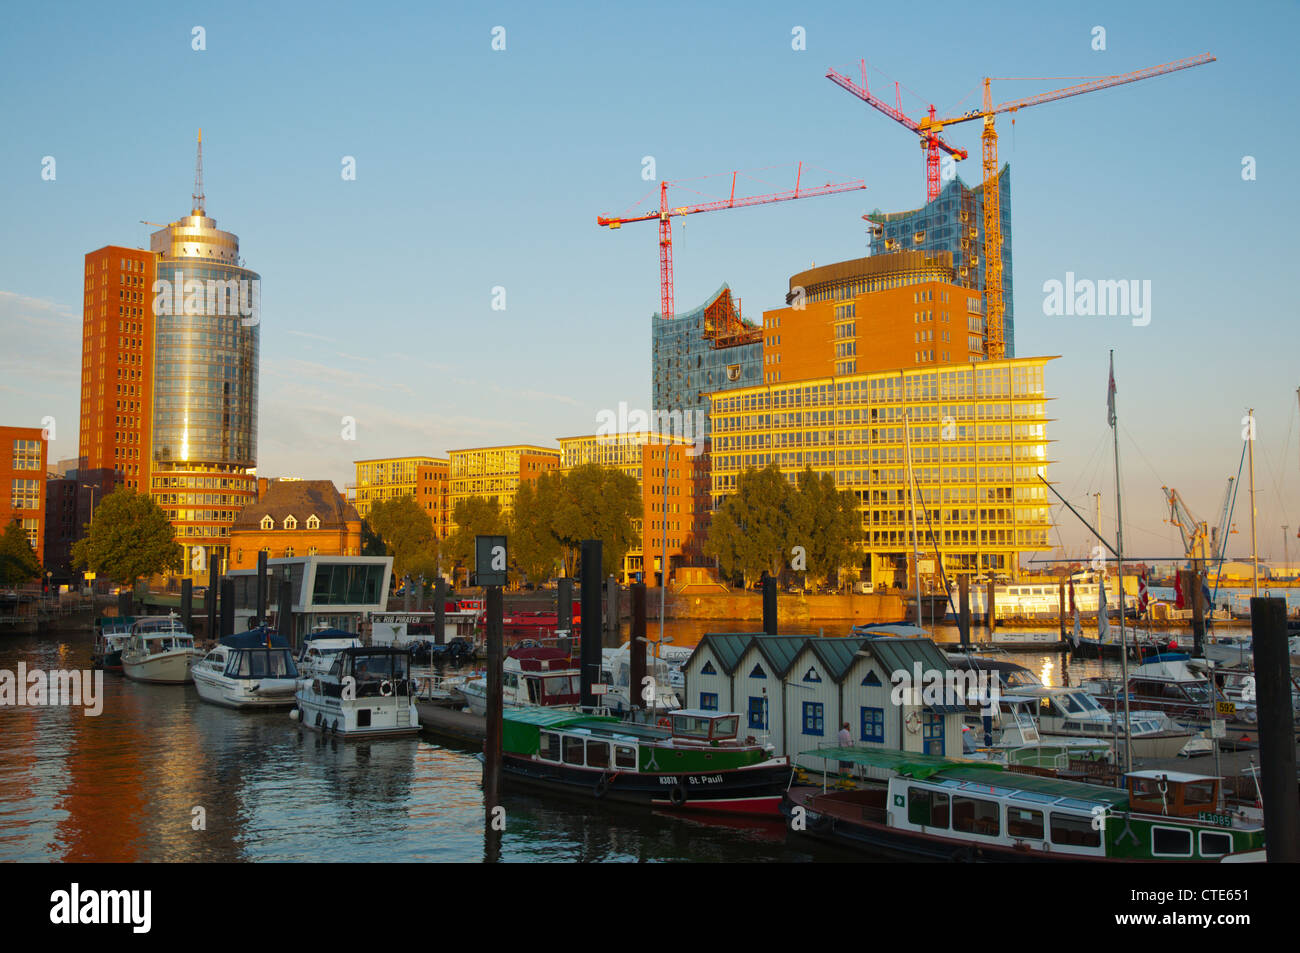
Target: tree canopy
column 769, row 525
column 128, row 536
column 405, row 532
column 472, row 516
column 18, row 562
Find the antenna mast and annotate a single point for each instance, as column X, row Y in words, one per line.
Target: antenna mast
column 198, row 180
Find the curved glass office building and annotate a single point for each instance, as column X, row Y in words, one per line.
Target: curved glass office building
column 206, row 331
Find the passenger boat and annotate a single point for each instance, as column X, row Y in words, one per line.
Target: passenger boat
column 697, row 764
column 534, row 676
column 252, row 669
column 159, row 651
column 945, row 809
column 112, row 633
column 367, row 692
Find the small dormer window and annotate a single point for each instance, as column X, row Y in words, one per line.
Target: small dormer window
column 290, row 522
column 313, row 522
column 268, row 523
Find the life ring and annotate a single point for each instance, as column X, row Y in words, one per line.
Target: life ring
column 664, row 723
column 389, row 685
column 913, row 722
column 677, row 796
column 602, row 786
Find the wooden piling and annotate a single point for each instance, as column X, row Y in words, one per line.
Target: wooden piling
column 1277, row 751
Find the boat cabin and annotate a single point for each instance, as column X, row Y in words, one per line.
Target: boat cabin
column 699, row 726
column 375, row 671
column 1172, row 793
column 256, row 653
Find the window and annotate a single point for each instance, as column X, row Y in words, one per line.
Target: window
column 597, row 754
column 1074, row 831
column 625, row 757
column 267, row 523
column 976, row 816
column 758, row 672
column 758, row 712
column 548, row 748
column 873, row 724
column 573, row 749
column 1214, row 844
column 708, row 669
column 811, row 675
column 1171, row 841
column 290, row 522
column 709, row 701
column 27, row 455
column 927, row 808
column 871, row 680
column 313, row 522
column 1024, row 823
column 814, row 718
column 932, row 733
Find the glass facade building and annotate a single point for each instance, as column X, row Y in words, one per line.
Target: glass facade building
column 703, row 351
column 954, row 222
column 978, row 442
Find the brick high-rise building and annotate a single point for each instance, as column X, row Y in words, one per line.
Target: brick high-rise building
column 22, row 483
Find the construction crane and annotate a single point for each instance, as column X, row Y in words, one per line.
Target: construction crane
column 1219, row 534
column 931, row 143
column 1194, row 531
column 666, row 214
column 929, row 128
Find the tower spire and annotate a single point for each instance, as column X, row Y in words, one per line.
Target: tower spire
column 198, row 180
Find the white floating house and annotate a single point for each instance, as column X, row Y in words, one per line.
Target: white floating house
column 795, row 691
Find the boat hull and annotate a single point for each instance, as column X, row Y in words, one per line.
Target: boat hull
column 240, row 693
column 749, row 791
column 372, row 717
column 172, row 668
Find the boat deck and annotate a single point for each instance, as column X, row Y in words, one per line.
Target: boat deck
column 860, row 804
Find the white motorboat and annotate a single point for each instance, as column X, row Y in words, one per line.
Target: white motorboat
column 616, row 673
column 320, row 647
column 367, row 692
column 531, row 676
column 253, row 669
column 1076, row 713
column 159, row 651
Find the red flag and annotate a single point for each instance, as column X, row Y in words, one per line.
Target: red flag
column 1142, row 592
column 1178, row 590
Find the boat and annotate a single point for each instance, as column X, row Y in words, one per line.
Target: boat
column 252, row 669
column 949, row 809
column 1012, row 737
column 319, row 648
column 112, row 633
column 616, row 673
column 1165, row 684
column 367, row 692
column 698, row 763
column 531, row 676
column 1075, row 713
column 160, row 651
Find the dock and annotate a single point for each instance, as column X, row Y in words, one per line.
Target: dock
column 461, row 726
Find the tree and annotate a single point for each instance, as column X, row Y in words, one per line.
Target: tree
column 18, row 562
column 596, row 502
column 128, row 537
column 752, row 529
column 406, row 533
column 826, row 524
column 473, row 516
column 534, row 549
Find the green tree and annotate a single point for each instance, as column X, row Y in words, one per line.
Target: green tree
column 473, row 516
column 826, row 523
column 534, row 549
column 596, row 502
column 406, row 532
column 128, row 537
column 18, row 562
column 752, row 529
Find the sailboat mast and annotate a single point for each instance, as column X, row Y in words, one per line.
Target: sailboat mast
column 911, row 498
column 1254, row 554
column 1119, row 559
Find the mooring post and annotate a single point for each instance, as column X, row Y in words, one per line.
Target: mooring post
column 262, row 590
column 638, row 646
column 494, row 621
column 187, row 605
column 564, row 604
column 769, row 605
column 611, row 604
column 439, row 611
column 210, row 606
column 992, row 615
column 963, row 612
column 284, row 614
column 227, row 606
column 592, row 557
column 1276, row 729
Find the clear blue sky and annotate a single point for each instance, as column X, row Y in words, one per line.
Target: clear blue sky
column 478, row 168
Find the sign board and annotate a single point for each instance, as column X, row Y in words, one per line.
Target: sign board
column 599, row 689
column 490, row 560
column 925, row 567
column 1218, row 728
column 1219, row 820
column 1225, row 708
column 90, row 576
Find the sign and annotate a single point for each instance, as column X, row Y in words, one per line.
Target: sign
column 925, row 567
column 1218, row 820
column 599, row 689
column 490, row 560
column 1218, row 728
column 1225, row 708
column 90, row 576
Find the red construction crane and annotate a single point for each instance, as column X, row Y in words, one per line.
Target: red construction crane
column 665, row 216
column 930, row 141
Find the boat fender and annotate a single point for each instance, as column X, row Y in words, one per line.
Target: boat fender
column 318, row 719
column 677, row 795
column 295, row 714
column 664, row 723
column 602, row 786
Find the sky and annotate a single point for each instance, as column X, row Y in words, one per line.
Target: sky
column 480, row 169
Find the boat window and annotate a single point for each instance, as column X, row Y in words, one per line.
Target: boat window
column 1171, row 841
column 927, row 808
column 512, row 680
column 976, row 816
column 572, row 750
column 725, row 727
column 1022, row 822
column 689, row 726
column 1087, row 701
column 1072, row 704
column 1144, row 789
column 1197, row 691
column 1071, row 830
column 534, row 696
column 597, row 754
column 1215, row 844
column 625, row 757
column 1198, row 792
column 559, row 685
column 548, row 747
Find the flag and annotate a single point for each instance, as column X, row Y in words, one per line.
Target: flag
column 1110, row 393
column 1074, row 611
column 1142, row 592
column 1178, row 589
column 1103, row 623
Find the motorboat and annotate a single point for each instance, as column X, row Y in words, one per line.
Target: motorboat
column 367, row 692
column 1075, row 713
column 254, row 669
column 112, row 634
column 531, row 676
column 1011, row 737
column 616, row 674
column 160, row 651
column 320, row 647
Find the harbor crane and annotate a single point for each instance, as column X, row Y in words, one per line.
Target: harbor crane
column 929, row 128
column 666, row 213
column 1201, row 543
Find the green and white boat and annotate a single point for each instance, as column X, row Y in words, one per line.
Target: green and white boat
column 947, row 809
column 697, row 763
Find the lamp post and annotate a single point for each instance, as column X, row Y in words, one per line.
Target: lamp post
column 92, row 488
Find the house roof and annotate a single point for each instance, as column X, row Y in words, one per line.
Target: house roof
column 299, row 499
